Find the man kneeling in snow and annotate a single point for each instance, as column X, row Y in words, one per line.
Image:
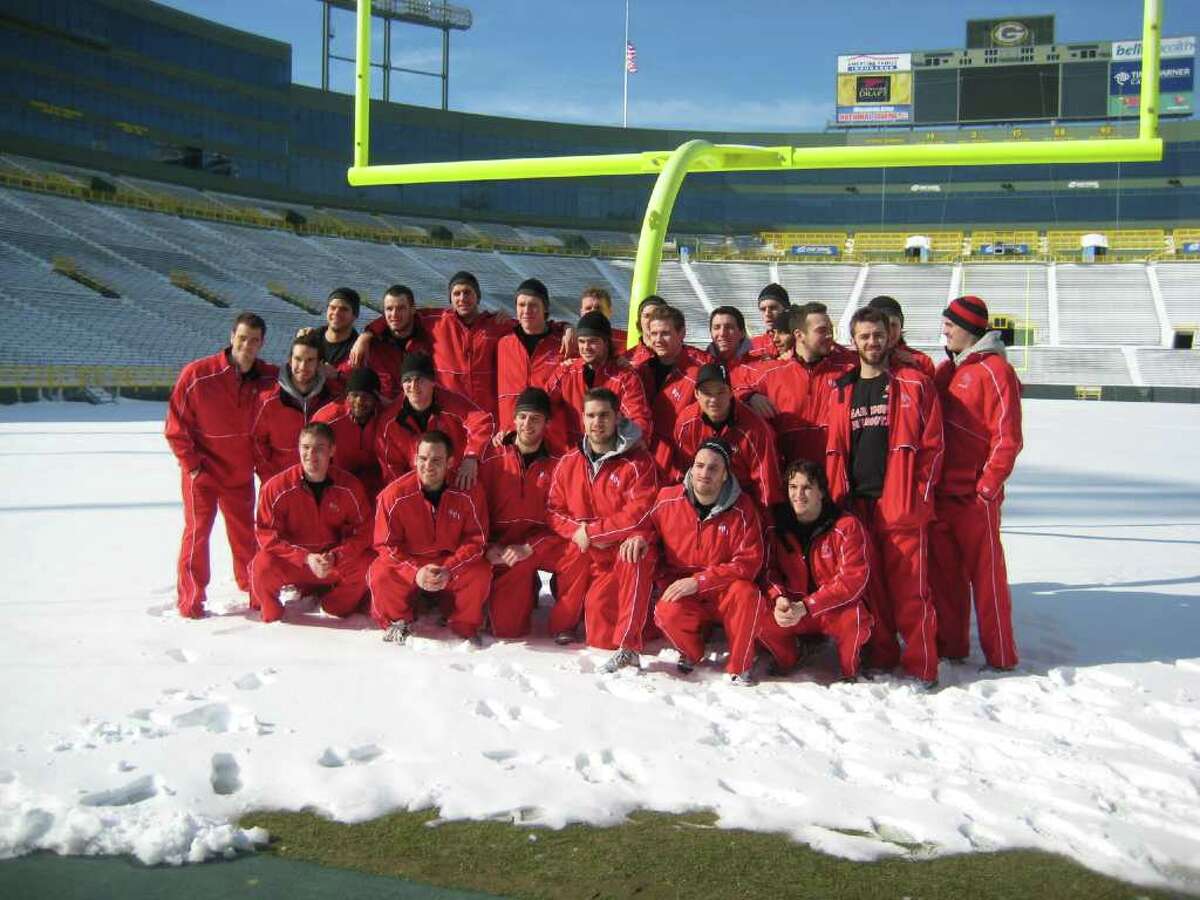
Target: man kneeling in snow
column 430, row 538
column 708, row 538
column 314, row 532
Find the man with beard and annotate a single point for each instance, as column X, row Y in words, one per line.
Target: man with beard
column 289, row 405
column 210, row 417
column 883, row 458
column 314, row 532
column 354, row 421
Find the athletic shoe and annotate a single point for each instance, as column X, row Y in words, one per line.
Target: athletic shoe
column 620, row 660
column 684, row 667
column 564, row 637
column 743, row 679
column 397, row 632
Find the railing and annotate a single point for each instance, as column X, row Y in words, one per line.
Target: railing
column 56, row 377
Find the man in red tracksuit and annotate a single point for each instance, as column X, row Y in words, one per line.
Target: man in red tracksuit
column 427, row 407
column 464, row 341
column 899, row 352
column 355, row 420
column 708, row 538
column 337, row 338
column 516, row 481
column 773, row 303
column 597, row 298
column 403, row 332
column 531, row 354
column 883, row 459
column 287, row 406
column 429, row 538
column 791, row 394
column 599, row 492
column 640, row 352
column 981, row 402
column 314, row 532
column 669, row 380
column 751, row 441
column 817, row 577
column 209, row 418
column 594, row 368
column 729, row 346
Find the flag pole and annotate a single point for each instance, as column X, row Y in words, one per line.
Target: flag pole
column 625, row 71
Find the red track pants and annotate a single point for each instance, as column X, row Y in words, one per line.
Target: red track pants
column 738, row 608
column 202, row 496
column 967, row 560
column 347, row 584
column 515, row 588
column 393, row 590
column 612, row 597
column 905, row 604
column 850, row 627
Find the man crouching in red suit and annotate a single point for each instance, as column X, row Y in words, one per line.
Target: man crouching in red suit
column 430, row 538
column 818, row 572
column 709, row 541
column 314, row 532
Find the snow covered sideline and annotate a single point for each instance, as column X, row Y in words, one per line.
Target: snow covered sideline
column 128, row 730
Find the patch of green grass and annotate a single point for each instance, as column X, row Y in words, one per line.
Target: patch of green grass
column 655, row 855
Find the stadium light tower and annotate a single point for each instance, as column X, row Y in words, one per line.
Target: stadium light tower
column 671, row 166
column 443, row 16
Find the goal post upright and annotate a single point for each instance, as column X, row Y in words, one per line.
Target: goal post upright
column 671, row 167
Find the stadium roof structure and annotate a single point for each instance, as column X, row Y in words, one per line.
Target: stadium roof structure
column 672, row 166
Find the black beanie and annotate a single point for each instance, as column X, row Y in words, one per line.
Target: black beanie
column 464, row 277
column 712, row 372
column 363, row 379
column 417, row 364
column 350, row 295
column 594, row 324
column 534, row 288
column 775, row 291
column 533, row 399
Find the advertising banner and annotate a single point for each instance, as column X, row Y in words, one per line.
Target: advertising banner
column 884, row 97
column 874, row 115
column 1176, row 86
column 814, row 250
column 1001, row 249
column 1169, row 47
column 875, row 62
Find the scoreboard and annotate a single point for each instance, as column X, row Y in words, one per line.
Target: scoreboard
column 1010, row 71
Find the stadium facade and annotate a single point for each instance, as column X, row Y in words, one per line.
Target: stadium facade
column 133, row 87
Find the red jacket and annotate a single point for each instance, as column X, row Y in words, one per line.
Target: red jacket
column 917, row 359
column 981, row 403
column 666, row 405
column 762, row 346
column 799, row 392
column 832, row 571
column 610, row 498
column 567, row 387
column 717, row 550
column 412, row 533
column 517, row 370
column 277, row 423
column 751, row 440
column 915, row 447
column 464, row 355
column 354, row 444
column 516, row 495
column 210, row 416
column 469, row 428
column 385, row 354
column 291, row 524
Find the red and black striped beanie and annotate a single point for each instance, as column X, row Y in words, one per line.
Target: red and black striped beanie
column 970, row 313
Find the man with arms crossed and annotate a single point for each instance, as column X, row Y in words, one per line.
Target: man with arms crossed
column 314, row 532
column 981, row 402
column 209, row 420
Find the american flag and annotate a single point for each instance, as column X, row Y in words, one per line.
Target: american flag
column 630, row 57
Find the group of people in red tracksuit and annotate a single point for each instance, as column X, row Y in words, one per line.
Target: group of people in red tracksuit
column 785, row 488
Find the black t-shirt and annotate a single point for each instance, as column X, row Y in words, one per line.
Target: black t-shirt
column 336, row 352
column 530, row 341
column 434, row 497
column 318, row 487
column 661, row 370
column 868, row 436
column 589, row 375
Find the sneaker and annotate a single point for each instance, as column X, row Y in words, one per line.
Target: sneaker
column 476, row 640
column 684, row 667
column 397, row 632
column 743, row 679
column 564, row 637
column 619, row 660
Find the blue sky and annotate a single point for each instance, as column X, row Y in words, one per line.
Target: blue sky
column 769, row 65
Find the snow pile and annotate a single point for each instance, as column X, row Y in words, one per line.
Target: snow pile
column 129, row 730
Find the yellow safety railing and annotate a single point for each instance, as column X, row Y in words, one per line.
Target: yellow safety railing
column 54, row 377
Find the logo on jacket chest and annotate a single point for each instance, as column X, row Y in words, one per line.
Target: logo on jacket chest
column 826, row 551
column 675, row 393
column 722, row 529
column 614, row 479
column 454, row 513
column 333, row 506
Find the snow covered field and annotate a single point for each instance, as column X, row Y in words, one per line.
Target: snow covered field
column 128, row 730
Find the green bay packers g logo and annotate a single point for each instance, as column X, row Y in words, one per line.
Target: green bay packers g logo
column 1009, row 34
